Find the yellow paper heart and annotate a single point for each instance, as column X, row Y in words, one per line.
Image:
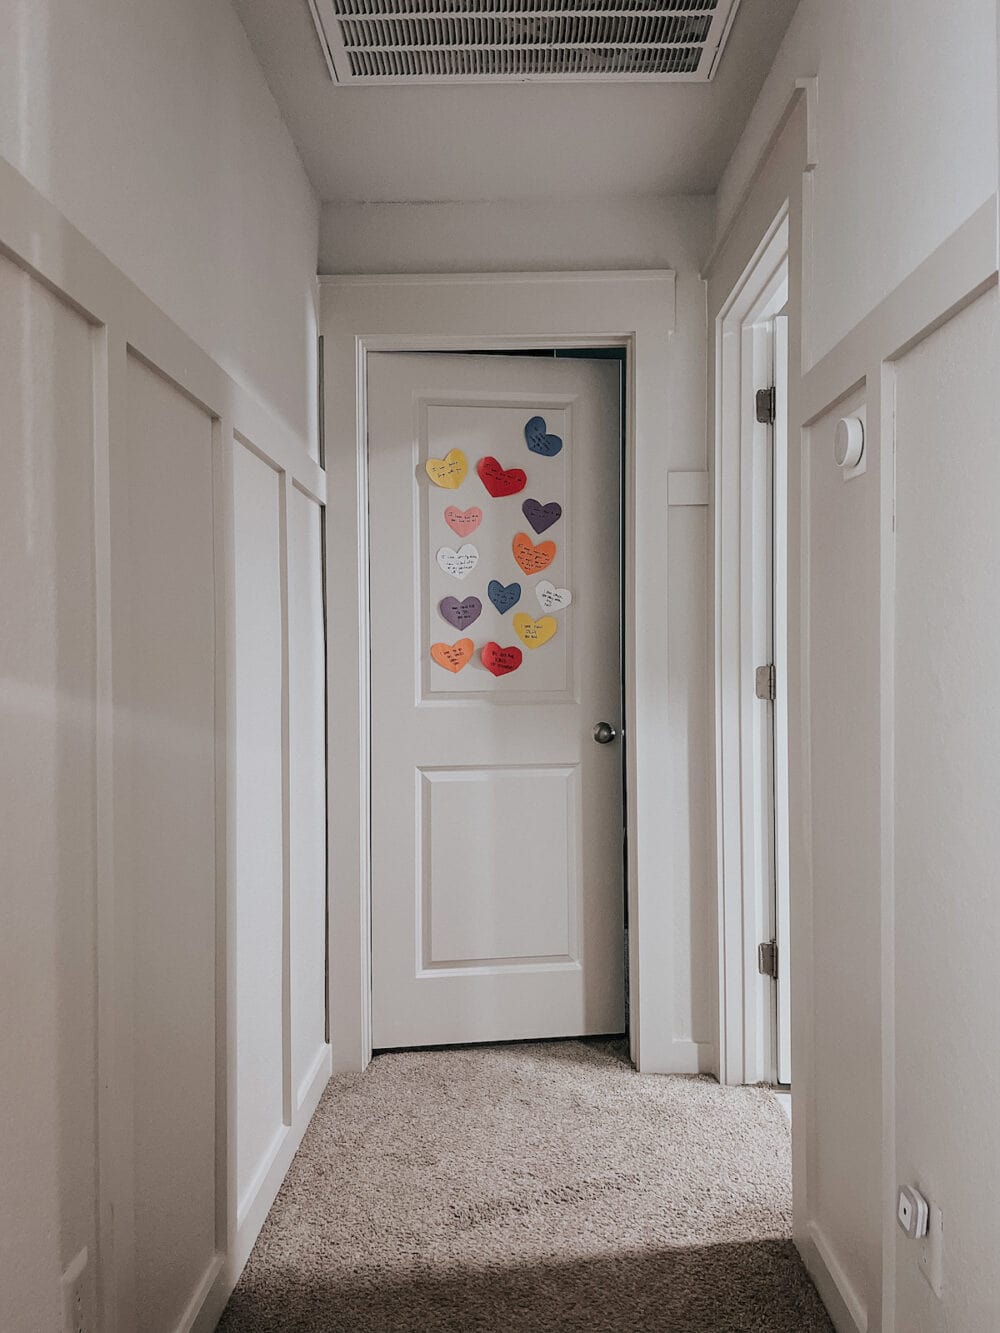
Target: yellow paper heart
column 449, row 471
column 533, row 633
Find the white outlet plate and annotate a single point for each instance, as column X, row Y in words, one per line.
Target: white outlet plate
column 76, row 1295
column 931, row 1258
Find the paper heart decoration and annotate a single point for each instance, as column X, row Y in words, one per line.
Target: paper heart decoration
column 533, row 559
column 498, row 481
column 453, row 656
column 449, row 471
column 551, row 598
column 533, row 633
column 458, row 563
column 459, row 613
column 504, row 598
column 464, row 521
column 537, row 440
column 541, row 516
column 500, row 660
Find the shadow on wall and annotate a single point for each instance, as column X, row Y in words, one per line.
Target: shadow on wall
column 756, row 1287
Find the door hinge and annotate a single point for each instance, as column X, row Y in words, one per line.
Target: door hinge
column 765, row 682
column 767, row 959
column 767, row 405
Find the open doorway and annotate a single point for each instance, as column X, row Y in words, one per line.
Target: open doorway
column 751, row 658
column 449, row 313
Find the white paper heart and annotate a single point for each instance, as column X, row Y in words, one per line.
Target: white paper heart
column 458, row 563
column 551, row 598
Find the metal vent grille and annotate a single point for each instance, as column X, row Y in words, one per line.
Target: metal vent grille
column 494, row 41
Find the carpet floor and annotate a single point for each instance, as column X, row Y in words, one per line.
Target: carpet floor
column 531, row 1188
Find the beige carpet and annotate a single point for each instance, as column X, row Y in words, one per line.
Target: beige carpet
column 531, row 1188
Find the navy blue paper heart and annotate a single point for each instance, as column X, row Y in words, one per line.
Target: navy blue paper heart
column 459, row 613
column 504, row 598
column 541, row 516
column 538, row 442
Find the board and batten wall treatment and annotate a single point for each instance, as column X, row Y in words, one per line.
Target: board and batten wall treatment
column 892, row 762
column 163, row 718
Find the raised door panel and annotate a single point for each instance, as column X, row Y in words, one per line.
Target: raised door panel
column 47, row 809
column 474, row 911
column 307, row 789
column 164, row 680
column 259, row 871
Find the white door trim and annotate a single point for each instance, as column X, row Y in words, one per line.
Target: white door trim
column 746, row 1020
column 488, row 312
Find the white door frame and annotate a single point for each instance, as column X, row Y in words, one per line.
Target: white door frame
column 490, row 312
column 743, row 352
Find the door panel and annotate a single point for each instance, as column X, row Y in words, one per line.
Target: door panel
column 492, row 916
column 497, row 822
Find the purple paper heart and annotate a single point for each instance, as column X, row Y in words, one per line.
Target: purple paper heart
column 459, row 613
column 541, row 516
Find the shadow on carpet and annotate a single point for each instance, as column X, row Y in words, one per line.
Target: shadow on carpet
column 531, row 1187
column 712, row 1289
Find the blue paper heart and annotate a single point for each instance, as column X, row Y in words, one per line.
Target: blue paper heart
column 541, row 516
column 504, row 598
column 538, row 442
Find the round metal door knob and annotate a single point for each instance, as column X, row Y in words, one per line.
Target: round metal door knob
column 604, row 733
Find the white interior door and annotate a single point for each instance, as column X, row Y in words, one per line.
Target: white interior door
column 497, row 893
column 782, row 888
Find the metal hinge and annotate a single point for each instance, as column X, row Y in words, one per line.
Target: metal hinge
column 767, row 406
column 767, row 959
column 765, row 682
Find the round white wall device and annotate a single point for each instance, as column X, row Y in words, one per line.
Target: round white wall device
column 848, row 442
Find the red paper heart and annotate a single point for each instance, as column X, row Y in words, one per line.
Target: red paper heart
column 499, row 482
column 500, row 660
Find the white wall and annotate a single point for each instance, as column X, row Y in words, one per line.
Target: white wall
column 947, row 728
column 160, row 234
column 894, row 240
column 673, row 233
column 905, row 137
column 151, row 128
column 48, row 808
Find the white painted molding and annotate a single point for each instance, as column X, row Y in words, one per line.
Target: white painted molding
column 36, row 237
column 235, row 1260
column 803, row 88
column 847, row 1310
column 741, row 344
column 496, row 311
column 688, row 488
column 954, row 275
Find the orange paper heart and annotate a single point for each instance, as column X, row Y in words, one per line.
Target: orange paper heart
column 453, row 656
column 449, row 471
column 533, row 559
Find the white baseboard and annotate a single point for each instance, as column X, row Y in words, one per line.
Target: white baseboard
column 199, row 1300
column 677, row 1057
column 203, row 1319
column 845, row 1307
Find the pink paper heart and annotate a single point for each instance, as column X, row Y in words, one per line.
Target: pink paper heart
column 463, row 521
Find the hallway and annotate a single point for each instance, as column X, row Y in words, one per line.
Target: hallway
column 542, row 1186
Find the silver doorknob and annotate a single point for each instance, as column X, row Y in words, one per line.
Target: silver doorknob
column 604, row 733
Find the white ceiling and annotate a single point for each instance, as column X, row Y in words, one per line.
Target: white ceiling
column 511, row 141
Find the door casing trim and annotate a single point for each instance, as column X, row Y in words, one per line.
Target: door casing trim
column 746, row 1036
column 496, row 312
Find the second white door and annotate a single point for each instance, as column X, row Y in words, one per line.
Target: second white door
column 497, row 876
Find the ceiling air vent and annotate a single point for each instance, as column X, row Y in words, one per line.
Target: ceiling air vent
column 515, row 41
